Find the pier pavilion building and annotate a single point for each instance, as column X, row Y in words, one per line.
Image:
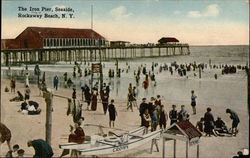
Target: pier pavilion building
column 46, row 37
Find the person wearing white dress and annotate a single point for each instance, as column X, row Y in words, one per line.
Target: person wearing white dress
column 27, row 79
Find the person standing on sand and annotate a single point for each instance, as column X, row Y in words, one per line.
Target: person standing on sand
column 142, row 108
column 27, row 79
column 112, row 113
column 135, row 93
column 5, row 134
column 55, row 82
column 193, row 101
column 158, row 101
column 94, row 100
column 42, row 148
column 145, row 121
column 173, row 115
column 130, row 101
column 234, row 116
column 163, row 117
column 209, row 123
column 154, row 120
column 87, row 95
column 27, row 93
column 13, row 85
column 105, row 100
column 183, row 114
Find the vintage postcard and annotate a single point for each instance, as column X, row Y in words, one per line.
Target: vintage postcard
column 124, row 78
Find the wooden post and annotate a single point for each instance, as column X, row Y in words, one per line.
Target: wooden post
column 187, row 149
column 174, row 148
column 49, row 101
column 198, row 150
column 163, row 148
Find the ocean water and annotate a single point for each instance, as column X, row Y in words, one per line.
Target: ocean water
column 228, row 90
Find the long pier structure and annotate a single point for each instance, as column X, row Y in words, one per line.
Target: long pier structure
column 91, row 53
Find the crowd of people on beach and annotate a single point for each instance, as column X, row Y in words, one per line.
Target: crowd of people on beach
column 152, row 113
column 27, row 106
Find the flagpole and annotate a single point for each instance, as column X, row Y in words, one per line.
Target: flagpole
column 91, row 16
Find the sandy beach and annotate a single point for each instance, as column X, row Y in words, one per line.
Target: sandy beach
column 28, row 127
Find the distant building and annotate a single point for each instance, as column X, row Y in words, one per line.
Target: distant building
column 168, row 40
column 46, row 37
column 119, row 43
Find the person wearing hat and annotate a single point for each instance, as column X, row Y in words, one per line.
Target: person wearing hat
column 158, row 101
column 151, row 106
column 142, row 108
column 173, row 115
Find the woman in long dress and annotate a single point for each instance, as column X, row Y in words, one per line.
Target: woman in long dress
column 94, row 101
column 27, row 79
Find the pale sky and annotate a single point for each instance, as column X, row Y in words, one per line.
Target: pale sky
column 197, row 22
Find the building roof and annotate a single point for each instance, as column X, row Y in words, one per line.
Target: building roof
column 119, row 41
column 168, row 39
column 184, row 128
column 48, row 32
column 8, row 43
column 189, row 129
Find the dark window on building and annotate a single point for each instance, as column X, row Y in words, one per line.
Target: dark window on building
column 26, row 44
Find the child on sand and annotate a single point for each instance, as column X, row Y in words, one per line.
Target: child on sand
column 27, row 93
column 193, row 101
column 146, row 121
column 112, row 113
column 200, row 125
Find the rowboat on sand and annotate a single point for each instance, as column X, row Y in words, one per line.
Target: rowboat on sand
column 125, row 142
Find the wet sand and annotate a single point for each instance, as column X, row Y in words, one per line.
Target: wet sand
column 27, row 127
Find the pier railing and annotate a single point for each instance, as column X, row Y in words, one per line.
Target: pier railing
column 90, row 53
